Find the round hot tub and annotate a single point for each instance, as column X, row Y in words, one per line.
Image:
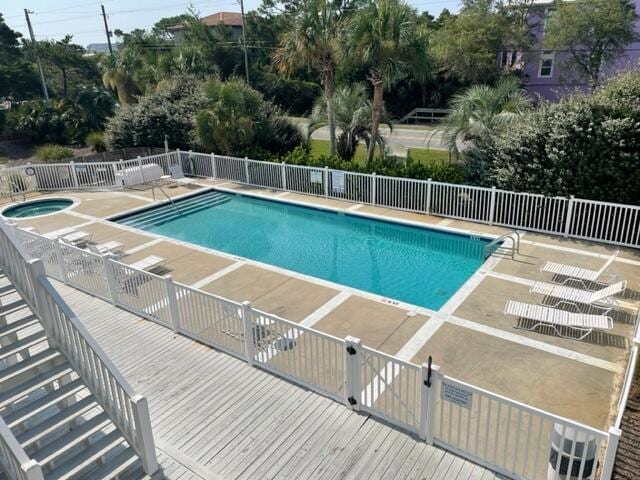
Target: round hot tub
column 36, row 208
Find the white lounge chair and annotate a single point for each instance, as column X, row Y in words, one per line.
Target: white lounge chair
column 76, row 238
column 582, row 275
column 602, row 299
column 149, row 263
column 107, row 248
column 541, row 315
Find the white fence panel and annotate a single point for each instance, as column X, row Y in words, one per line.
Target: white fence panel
column 230, row 168
column 530, row 211
column 141, row 292
column 302, row 354
column 210, row 319
column 356, row 187
column 511, row 438
column 391, row 388
column 43, row 248
column 85, row 271
column 309, row 180
column 606, row 222
column 95, row 175
column 461, row 201
column 197, row 165
column 401, row 193
column 265, row 174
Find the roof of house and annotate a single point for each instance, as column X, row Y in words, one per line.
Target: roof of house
column 232, row 19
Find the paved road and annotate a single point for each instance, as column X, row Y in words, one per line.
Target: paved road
column 422, row 137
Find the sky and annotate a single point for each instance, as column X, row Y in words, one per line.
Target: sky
column 53, row 19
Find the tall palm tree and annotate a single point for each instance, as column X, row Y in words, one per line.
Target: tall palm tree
column 386, row 36
column 353, row 119
column 481, row 110
column 117, row 74
column 312, row 41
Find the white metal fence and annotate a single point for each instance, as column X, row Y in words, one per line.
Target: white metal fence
column 571, row 217
column 613, row 223
column 126, row 409
column 510, row 437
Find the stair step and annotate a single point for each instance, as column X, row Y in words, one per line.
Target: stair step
column 75, row 466
column 28, row 364
column 13, row 307
column 21, row 345
column 114, row 466
column 34, row 384
column 51, row 398
column 18, row 325
column 58, row 420
column 71, row 439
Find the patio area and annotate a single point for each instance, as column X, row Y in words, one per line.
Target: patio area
column 581, row 378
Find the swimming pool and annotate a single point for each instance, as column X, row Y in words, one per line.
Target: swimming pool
column 415, row 265
column 37, row 208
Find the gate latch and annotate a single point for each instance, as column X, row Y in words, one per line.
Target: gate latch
column 427, row 382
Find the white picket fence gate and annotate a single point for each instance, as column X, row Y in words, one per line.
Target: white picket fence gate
column 512, row 438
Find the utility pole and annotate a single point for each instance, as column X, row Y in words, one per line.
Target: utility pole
column 106, row 29
column 33, row 41
column 244, row 42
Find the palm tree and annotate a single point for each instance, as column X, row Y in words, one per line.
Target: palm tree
column 481, row 110
column 312, row 41
column 117, row 74
column 352, row 112
column 386, row 36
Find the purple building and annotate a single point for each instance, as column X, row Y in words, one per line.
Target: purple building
column 550, row 73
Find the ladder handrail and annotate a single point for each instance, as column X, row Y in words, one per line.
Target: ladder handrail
column 515, row 243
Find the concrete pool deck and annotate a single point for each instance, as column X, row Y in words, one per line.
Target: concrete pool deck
column 468, row 337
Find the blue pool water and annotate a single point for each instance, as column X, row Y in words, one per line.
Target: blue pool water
column 414, row 265
column 36, row 208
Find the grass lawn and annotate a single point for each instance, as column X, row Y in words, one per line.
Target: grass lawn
column 424, row 155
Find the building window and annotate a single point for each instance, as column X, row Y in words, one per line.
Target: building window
column 546, row 64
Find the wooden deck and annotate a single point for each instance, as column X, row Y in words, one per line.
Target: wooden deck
column 214, row 417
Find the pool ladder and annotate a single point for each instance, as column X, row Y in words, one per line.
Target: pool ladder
column 159, row 187
column 497, row 245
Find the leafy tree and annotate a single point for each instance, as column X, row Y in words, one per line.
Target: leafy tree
column 238, row 121
column 386, row 37
column 595, row 32
column 17, row 77
column 168, row 111
column 118, row 74
column 353, row 119
column 312, row 40
column 482, row 110
column 466, row 45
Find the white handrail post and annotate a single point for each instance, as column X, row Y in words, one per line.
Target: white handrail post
column 492, row 207
column 139, row 159
column 374, row 182
column 59, row 256
column 214, row 170
column 283, row 173
column 567, row 225
column 32, row 470
column 145, row 434
column 174, row 311
column 247, row 322
column 352, row 387
column 110, row 272
column 37, row 270
column 326, row 181
column 430, row 379
column 429, row 196
column 74, row 174
column 246, row 170
column 610, row 453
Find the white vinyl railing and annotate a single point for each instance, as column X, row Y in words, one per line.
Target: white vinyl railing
column 612, row 223
column 13, row 458
column 571, row 217
column 127, row 410
column 505, row 435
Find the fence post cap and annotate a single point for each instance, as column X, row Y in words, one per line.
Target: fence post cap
column 350, row 339
column 168, row 277
column 246, row 303
column 373, row 173
column 615, row 431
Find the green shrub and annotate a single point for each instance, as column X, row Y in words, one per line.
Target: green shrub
column 168, row 111
column 38, row 121
column 53, row 152
column 295, row 97
column 96, row 141
column 237, row 120
column 585, row 145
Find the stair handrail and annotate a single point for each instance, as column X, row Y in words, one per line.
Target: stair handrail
column 14, row 459
column 128, row 410
column 513, row 235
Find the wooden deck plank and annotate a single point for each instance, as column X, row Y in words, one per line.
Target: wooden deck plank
column 221, row 418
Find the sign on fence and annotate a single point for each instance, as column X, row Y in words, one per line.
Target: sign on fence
column 337, row 181
column 456, row 395
column 316, row 177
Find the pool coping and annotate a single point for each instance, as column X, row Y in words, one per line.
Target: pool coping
column 75, row 202
column 459, row 295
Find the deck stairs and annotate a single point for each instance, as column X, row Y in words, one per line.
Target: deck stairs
column 49, row 409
